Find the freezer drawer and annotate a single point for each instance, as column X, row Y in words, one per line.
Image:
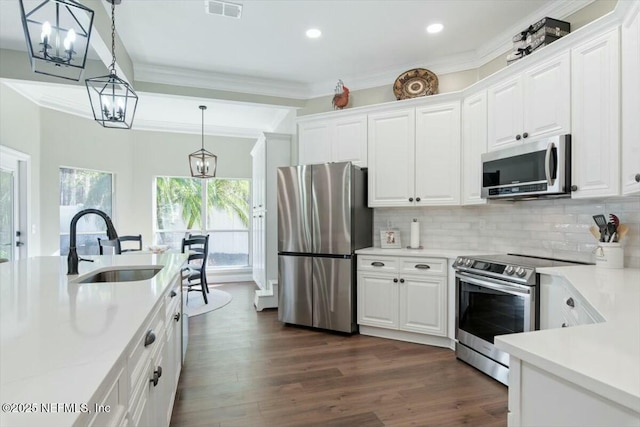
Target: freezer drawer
column 334, row 294
column 295, row 290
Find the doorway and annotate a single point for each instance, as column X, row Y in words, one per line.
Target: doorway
column 13, row 204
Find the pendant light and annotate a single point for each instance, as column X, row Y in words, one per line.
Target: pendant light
column 203, row 163
column 113, row 100
column 57, row 34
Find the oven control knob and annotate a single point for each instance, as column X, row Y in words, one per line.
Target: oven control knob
column 509, row 270
column 460, row 261
column 468, row 262
column 520, row 272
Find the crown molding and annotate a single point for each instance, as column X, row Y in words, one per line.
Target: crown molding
column 196, row 129
column 163, row 74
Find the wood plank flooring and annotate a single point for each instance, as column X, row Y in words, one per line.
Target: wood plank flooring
column 244, row 368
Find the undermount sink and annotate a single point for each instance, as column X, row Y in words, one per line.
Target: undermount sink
column 126, row 274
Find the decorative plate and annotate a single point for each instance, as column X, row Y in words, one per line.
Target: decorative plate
column 415, row 83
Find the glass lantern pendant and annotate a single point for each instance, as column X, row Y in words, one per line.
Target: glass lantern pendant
column 113, row 100
column 203, row 163
column 57, row 34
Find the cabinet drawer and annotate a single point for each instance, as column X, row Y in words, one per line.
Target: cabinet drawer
column 432, row 266
column 378, row 263
column 139, row 354
column 173, row 297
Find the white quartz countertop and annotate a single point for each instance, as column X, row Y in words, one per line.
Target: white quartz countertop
column 603, row 358
column 426, row 252
column 59, row 339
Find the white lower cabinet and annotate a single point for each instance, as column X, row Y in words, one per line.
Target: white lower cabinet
column 561, row 306
column 539, row 398
column 154, row 362
column 402, row 293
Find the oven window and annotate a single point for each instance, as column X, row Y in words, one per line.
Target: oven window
column 486, row 313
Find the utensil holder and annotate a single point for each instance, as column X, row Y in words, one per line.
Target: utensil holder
column 609, row 255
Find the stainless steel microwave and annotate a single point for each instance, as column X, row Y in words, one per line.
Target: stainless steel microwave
column 535, row 169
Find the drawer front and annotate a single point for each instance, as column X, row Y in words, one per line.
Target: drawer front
column 139, row 354
column 173, row 296
column 428, row 266
column 378, row 263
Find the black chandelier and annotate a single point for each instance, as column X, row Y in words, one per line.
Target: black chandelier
column 113, row 100
column 57, row 34
column 202, row 162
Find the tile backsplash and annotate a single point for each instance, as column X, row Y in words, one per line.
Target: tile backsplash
column 551, row 228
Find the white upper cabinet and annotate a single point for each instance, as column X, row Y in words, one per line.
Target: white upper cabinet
column 341, row 139
column 631, row 102
column 595, row 106
column 392, row 158
column 530, row 105
column 414, row 156
column 474, row 144
column 437, row 158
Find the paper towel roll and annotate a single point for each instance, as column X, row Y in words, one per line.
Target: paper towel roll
column 415, row 235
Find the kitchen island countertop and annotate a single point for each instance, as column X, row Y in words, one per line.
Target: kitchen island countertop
column 603, row 358
column 60, row 339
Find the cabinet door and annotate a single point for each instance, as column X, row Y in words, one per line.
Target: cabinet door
column 547, row 99
column 423, row 304
column 474, row 144
column 377, row 300
column 391, row 158
column 437, row 158
column 631, row 103
column 505, row 116
column 349, row 141
column 595, row 110
column 314, row 143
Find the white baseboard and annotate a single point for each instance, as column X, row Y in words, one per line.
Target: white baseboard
column 226, row 277
column 268, row 297
column 407, row 336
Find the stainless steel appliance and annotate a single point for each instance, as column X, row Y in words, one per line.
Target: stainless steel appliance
column 496, row 295
column 322, row 219
column 534, row 169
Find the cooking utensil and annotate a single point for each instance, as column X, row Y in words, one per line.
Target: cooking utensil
column 611, row 230
column 601, row 222
column 622, row 231
column 595, row 232
column 614, row 219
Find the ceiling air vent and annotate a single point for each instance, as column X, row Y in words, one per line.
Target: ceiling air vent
column 223, row 8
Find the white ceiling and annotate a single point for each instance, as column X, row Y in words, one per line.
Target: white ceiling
column 366, row 43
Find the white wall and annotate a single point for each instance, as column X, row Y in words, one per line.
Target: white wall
column 552, row 228
column 165, row 154
column 19, row 130
column 134, row 157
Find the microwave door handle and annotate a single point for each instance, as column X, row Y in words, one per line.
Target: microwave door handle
column 547, row 161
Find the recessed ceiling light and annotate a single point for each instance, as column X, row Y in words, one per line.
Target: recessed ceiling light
column 313, row 33
column 434, row 28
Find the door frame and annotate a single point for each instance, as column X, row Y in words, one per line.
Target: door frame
column 23, row 182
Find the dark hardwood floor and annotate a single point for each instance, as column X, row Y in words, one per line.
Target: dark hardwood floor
column 244, row 368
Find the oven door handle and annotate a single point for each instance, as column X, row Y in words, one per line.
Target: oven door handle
column 496, row 284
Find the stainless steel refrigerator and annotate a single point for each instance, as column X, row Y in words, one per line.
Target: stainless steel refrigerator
column 322, row 219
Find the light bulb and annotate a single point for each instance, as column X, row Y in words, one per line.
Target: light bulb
column 68, row 41
column 46, row 31
column 105, row 102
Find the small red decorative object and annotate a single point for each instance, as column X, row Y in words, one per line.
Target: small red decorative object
column 341, row 98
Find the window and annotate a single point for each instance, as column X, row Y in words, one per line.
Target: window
column 225, row 216
column 83, row 189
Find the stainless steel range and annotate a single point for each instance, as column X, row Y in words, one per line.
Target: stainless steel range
column 496, row 295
